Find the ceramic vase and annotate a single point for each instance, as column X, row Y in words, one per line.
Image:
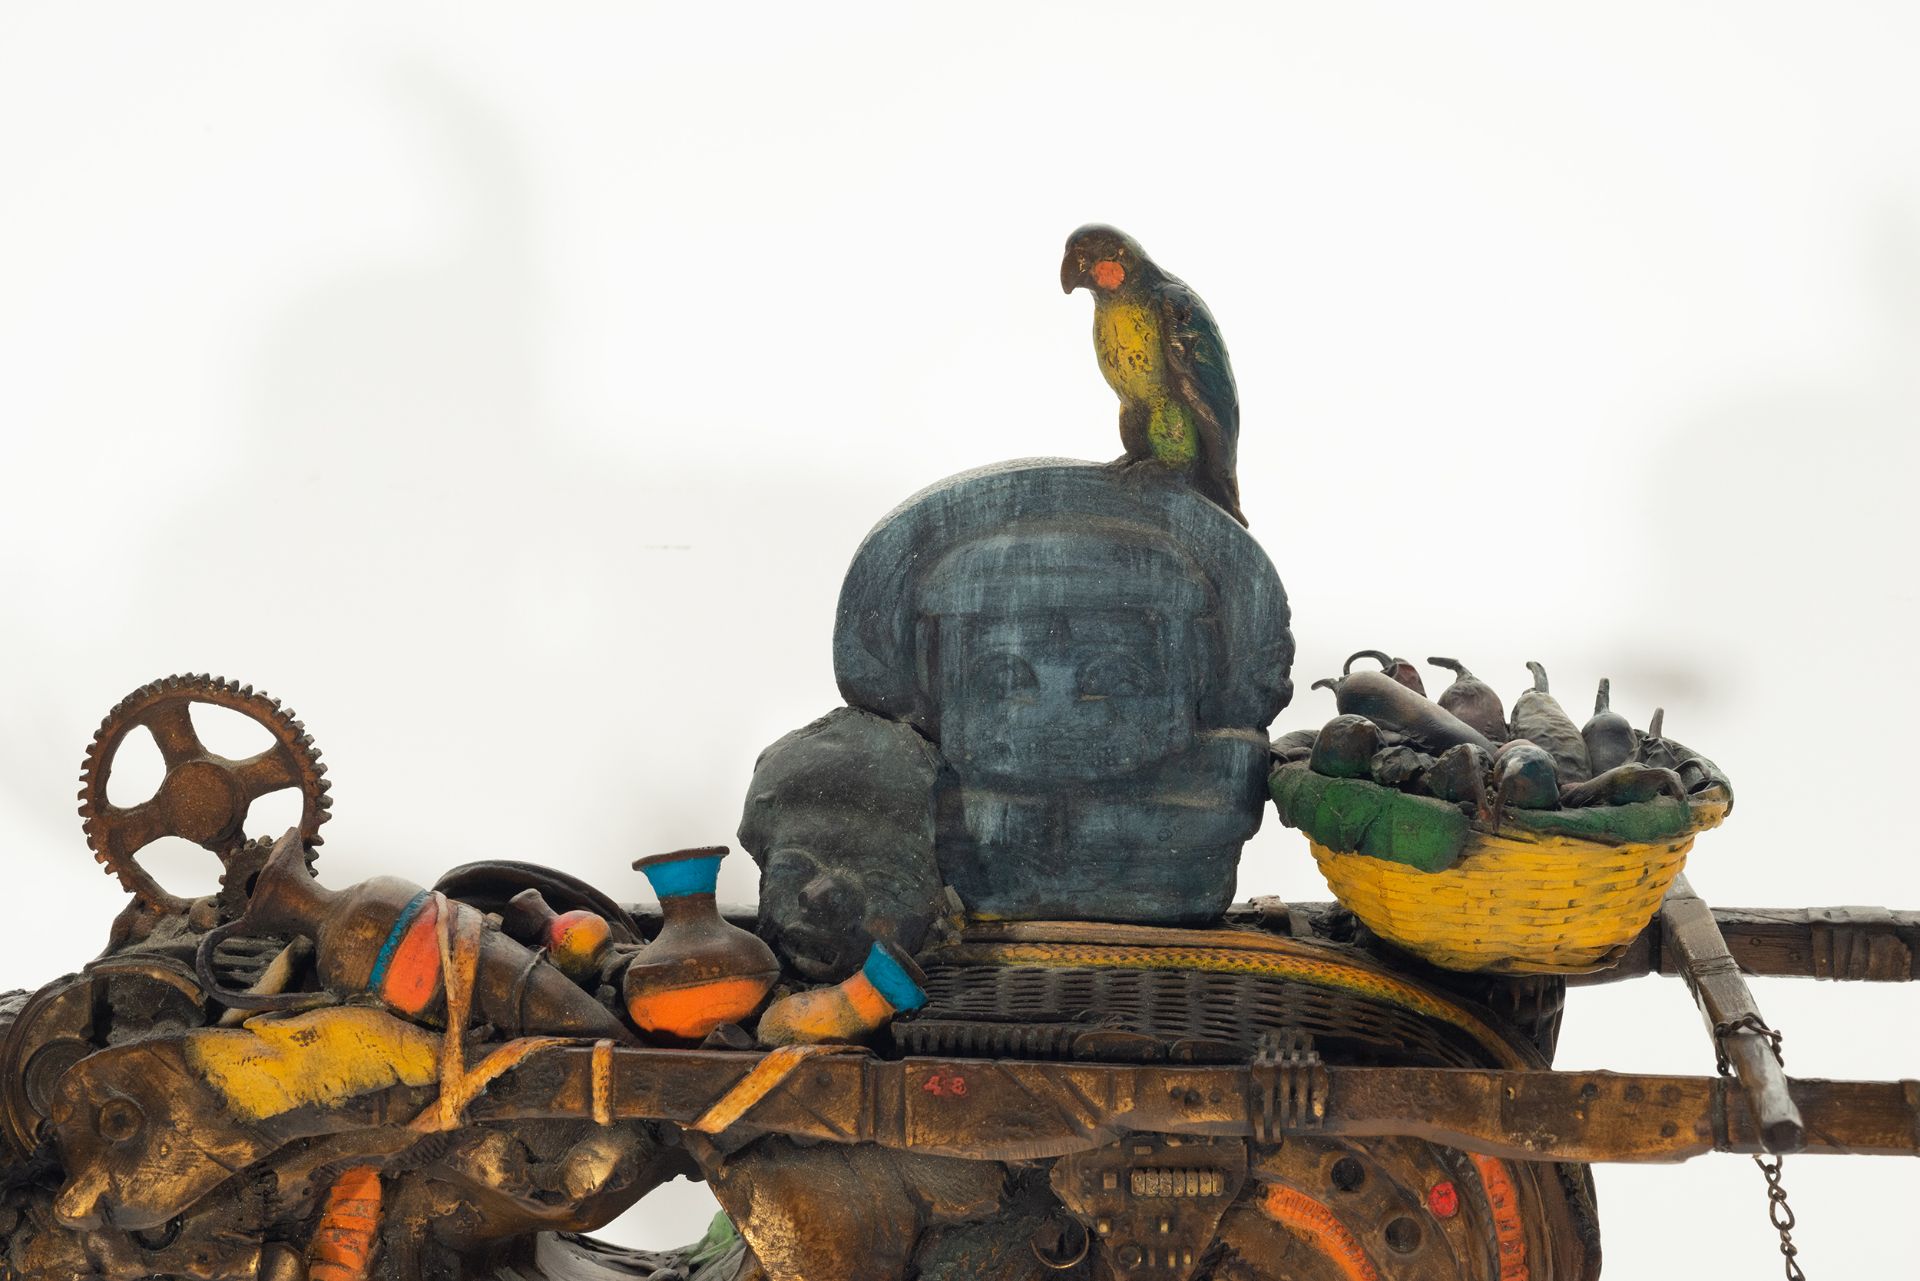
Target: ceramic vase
column 700, row 971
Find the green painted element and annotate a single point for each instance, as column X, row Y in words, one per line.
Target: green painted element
column 1170, row 429
column 721, row 1237
column 1355, row 816
column 1358, row 816
column 1664, row 818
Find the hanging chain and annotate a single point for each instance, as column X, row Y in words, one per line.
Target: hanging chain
column 1779, row 1213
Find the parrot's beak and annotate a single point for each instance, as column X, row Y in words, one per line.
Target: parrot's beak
column 1071, row 276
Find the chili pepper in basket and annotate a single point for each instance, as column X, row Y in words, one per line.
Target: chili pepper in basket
column 1398, row 710
column 1538, row 718
column 1460, row 776
column 1608, row 736
column 1397, row 765
column 1295, row 745
column 1473, row 700
column 1344, row 747
column 1524, row 777
column 1624, row 784
column 1398, row 668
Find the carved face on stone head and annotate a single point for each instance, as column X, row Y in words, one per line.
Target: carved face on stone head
column 1060, row 656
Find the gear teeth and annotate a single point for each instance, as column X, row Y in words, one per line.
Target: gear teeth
column 133, row 710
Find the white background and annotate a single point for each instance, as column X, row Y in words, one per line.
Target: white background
column 508, row 392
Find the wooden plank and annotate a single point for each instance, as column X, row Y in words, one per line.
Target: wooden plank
column 1842, row 944
column 1020, row 1110
column 1692, row 935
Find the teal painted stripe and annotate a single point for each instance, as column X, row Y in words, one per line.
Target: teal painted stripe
column 891, row 980
column 392, row 945
column 684, row 876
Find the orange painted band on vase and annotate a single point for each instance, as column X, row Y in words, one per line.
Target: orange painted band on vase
column 689, row 1013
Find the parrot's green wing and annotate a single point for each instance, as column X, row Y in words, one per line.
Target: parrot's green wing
column 1197, row 361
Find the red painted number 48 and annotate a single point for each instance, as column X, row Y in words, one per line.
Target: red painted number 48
column 947, row 1085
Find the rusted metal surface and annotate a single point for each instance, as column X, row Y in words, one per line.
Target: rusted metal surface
column 203, row 796
column 1154, row 1201
column 1002, row 1110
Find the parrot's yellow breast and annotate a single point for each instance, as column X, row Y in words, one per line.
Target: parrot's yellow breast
column 1127, row 337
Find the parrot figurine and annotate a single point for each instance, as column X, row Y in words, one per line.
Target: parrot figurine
column 1161, row 353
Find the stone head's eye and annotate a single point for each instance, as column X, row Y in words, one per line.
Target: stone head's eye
column 1003, row 676
column 1110, row 676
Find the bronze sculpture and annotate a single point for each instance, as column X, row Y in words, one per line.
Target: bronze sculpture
column 965, row 1061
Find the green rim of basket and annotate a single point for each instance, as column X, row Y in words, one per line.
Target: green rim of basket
column 1359, row 816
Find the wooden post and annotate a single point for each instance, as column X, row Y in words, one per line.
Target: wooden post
column 1691, row 934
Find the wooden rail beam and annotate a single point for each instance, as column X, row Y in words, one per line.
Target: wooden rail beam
column 1741, row 1037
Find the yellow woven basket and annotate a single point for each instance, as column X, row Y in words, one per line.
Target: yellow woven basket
column 1549, row 892
column 1517, row 902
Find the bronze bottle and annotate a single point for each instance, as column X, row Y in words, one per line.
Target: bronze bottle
column 382, row 936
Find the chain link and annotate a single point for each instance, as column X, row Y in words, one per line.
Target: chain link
column 1779, row 1213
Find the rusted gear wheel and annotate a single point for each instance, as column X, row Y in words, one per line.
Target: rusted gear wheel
column 203, row 797
column 239, row 869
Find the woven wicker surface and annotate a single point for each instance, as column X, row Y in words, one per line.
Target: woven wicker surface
column 1033, row 1011
column 1513, row 904
column 1036, row 988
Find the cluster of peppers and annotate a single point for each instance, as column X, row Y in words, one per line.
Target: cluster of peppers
column 1465, row 748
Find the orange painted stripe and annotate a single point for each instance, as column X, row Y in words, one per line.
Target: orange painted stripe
column 413, row 975
column 761, row 1080
column 691, row 1012
column 1509, row 1228
column 872, row 1009
column 1316, row 1224
column 342, row 1245
column 602, row 1079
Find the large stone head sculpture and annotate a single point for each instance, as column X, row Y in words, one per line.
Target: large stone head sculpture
column 1096, row 653
column 1059, row 678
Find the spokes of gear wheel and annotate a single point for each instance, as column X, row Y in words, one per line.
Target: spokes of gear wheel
column 203, row 797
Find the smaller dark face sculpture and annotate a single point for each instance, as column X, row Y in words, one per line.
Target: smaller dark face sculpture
column 1058, row 695
column 813, row 915
column 840, row 819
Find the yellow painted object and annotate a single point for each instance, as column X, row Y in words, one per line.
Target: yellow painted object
column 1514, row 903
column 324, row 1057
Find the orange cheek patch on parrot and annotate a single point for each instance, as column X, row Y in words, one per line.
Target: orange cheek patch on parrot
column 1108, row 274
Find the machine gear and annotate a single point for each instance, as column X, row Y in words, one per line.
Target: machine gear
column 203, row 797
